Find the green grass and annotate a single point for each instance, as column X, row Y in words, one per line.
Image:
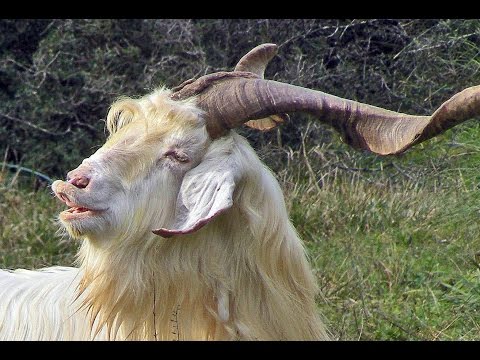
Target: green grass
column 395, row 242
column 393, row 264
column 29, row 234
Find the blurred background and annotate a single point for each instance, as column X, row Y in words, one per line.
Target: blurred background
column 394, row 240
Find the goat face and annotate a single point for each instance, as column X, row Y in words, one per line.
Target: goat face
column 130, row 185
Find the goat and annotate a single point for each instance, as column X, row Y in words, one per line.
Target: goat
column 185, row 233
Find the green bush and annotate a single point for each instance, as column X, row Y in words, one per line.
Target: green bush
column 58, row 77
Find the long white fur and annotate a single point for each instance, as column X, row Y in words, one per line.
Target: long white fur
column 40, row 305
column 245, row 275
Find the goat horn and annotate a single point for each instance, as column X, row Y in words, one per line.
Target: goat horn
column 256, row 61
column 230, row 99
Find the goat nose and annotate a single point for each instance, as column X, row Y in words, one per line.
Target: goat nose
column 79, row 181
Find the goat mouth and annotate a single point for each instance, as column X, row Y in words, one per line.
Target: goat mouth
column 79, row 212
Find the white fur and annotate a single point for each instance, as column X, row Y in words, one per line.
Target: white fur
column 40, row 305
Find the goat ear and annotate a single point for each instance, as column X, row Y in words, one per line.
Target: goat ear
column 205, row 193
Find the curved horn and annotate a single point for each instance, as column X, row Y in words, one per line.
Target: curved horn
column 233, row 98
column 256, row 61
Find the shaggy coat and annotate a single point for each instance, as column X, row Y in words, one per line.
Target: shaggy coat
column 181, row 237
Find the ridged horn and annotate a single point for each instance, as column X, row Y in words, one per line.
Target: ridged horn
column 230, row 99
column 256, row 61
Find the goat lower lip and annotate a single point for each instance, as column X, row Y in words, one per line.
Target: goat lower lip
column 78, row 212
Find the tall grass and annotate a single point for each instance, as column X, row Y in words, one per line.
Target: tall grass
column 395, row 242
column 395, row 263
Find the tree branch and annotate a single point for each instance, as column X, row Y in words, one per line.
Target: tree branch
column 30, row 171
column 36, row 127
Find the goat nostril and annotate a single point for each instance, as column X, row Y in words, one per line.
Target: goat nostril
column 79, row 181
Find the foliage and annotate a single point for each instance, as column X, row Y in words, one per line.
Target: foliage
column 58, row 77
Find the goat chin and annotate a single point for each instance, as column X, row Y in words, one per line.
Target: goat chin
column 245, row 275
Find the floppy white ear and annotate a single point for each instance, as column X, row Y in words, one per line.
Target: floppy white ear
column 205, row 193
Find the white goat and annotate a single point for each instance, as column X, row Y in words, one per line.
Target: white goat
column 245, row 275
column 185, row 232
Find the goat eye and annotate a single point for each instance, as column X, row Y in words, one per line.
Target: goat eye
column 177, row 156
